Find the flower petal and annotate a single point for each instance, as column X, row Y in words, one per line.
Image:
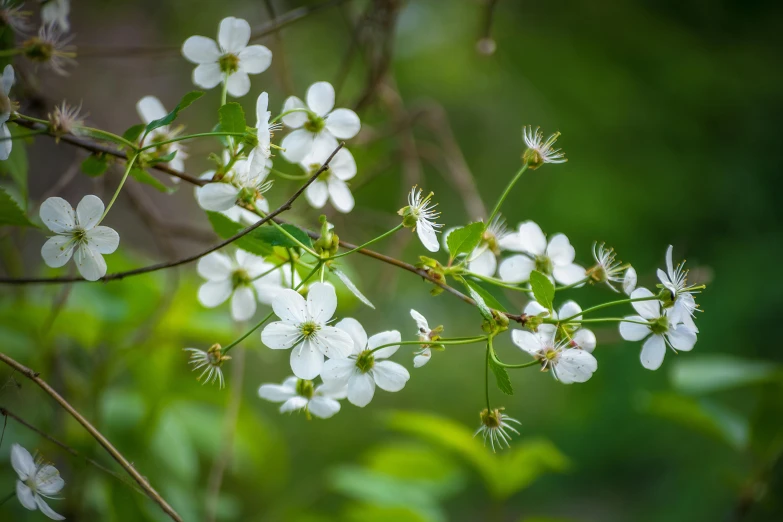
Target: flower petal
column 344, row 124
column 217, row 196
column 57, row 250
column 255, row 59
column 233, row 34
column 25, row 495
column 650, row 309
column 320, row 98
column 58, row 215
column 536, row 308
column 422, row 358
column 568, row 274
column 214, row 267
column 89, row 262
column 390, row 337
column 629, row 281
column 584, row 339
column 681, row 338
column 317, row 193
column 340, row 194
column 200, row 49
column 560, row 251
column 634, row 331
column 342, row 166
column 321, row 302
column 357, row 333
column 361, row 388
column 323, row 407
column 8, row 79
column 103, row 239
column 276, row 392
column 295, row 119
column 575, row 366
column 333, row 342
column 6, row 143
column 243, row 303
column 569, row 309
column 297, row 145
column 214, row 293
column 531, row 238
column 653, row 351
column 528, row 341
column 150, row 108
column 421, row 322
column 22, row 462
column 669, row 263
column 290, row 306
column 307, row 360
column 427, row 236
column 516, row 269
column 280, row 335
column 48, row 480
column 390, row 376
column 337, row 372
column 238, row 84
column 484, row 264
column 207, row 75
column 294, row 404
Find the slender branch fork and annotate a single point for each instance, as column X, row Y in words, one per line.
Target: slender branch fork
column 103, row 441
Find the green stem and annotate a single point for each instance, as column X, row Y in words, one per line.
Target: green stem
column 505, row 195
column 7, row 498
column 108, row 135
column 497, row 282
column 224, row 91
column 11, row 52
column 288, row 235
column 189, row 136
column 128, row 168
column 604, row 305
column 610, row 320
column 293, row 177
column 25, row 135
column 490, row 349
column 446, row 342
column 368, row 243
column 290, row 111
column 572, row 285
column 491, row 353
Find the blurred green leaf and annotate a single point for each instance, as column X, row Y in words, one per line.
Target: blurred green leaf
column 273, row 236
column 95, row 165
column 370, row 513
column 351, row 287
column 170, row 117
column 486, row 313
column 133, row 132
column 142, row 176
column 172, row 445
column 543, row 289
column 501, row 376
column 162, row 159
column 710, row 373
column 226, row 228
column 486, row 296
column 465, row 239
column 16, row 165
column 10, row 213
column 416, row 463
column 232, row 118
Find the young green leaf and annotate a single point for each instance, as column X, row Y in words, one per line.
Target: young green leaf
column 232, row 118
column 486, row 313
column 133, row 133
column 501, row 375
column 162, row 159
column 142, row 176
column 170, row 117
column 485, row 295
column 274, row 237
column 226, row 228
column 10, row 213
column 543, row 289
column 95, row 165
column 465, row 239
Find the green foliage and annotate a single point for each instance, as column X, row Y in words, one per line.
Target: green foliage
column 16, row 165
column 717, row 372
column 486, row 313
column 95, row 164
column 133, row 132
column 543, row 289
column 484, row 294
column 274, row 237
column 501, row 376
column 170, row 117
column 142, row 176
column 260, row 241
column 162, row 159
column 10, row 213
column 465, row 239
column 232, row 118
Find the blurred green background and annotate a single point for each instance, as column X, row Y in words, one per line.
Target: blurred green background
column 670, row 116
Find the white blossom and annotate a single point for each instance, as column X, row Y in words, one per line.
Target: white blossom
column 675, row 280
column 364, row 368
column 568, row 365
column 331, row 183
column 55, row 12
column 608, row 269
column 228, row 60
column 629, row 281
column 420, row 215
column 150, row 109
column 554, row 259
column 659, row 328
column 495, row 428
column 6, row 107
column 540, row 151
column 77, row 234
column 318, row 122
column 244, row 183
column 428, row 336
column 304, row 327
column 299, row 394
column 37, row 481
column 212, row 363
column 576, row 336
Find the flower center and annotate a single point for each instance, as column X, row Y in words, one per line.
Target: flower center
column 315, row 124
column 308, row 329
column 305, row 388
column 38, row 50
column 659, row 326
column 491, row 419
column 240, row 277
column 598, row 274
column 550, row 354
column 365, row 361
column 544, row 264
column 79, row 234
column 229, row 63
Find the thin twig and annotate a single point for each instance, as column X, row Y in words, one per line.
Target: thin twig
column 103, row 441
column 280, row 62
column 160, row 266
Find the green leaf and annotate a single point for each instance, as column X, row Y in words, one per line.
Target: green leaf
column 170, row 117
column 16, row 165
column 486, row 313
column 232, row 118
column 225, row 228
column 95, row 165
column 162, row 159
column 464, row 240
column 133, row 133
column 142, row 176
column 487, row 297
column 10, row 213
column 543, row 289
column 351, row 287
column 710, row 373
column 274, row 237
column 501, row 376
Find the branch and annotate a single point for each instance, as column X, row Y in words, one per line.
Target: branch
column 160, row 266
column 122, row 461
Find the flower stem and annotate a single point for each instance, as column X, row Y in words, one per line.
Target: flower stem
column 572, row 285
column 505, row 195
column 497, row 282
column 469, row 340
column 11, row 52
column 128, row 169
column 293, row 177
column 290, row 111
column 25, row 135
column 190, row 136
column 368, row 243
column 490, row 349
column 224, row 91
column 98, row 133
column 604, row 305
column 610, row 320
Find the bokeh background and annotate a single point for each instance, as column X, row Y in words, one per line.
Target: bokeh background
column 670, row 117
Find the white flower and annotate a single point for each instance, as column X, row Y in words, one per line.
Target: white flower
column 303, row 327
column 55, row 12
column 659, row 328
column 576, row 336
column 245, row 183
column 316, row 122
column 331, row 183
column 495, row 426
column 52, row 48
column 212, row 361
column 364, row 368
column 244, row 278
column 427, row 336
column 483, row 260
column 36, row 482
column 608, row 269
column 420, row 215
column 299, row 394
column 77, row 235
column 264, row 131
column 675, row 280
column 13, row 16
column 6, row 107
column 554, row 259
column 539, row 151
column 568, row 365
column 629, row 281
column 150, row 109
column 228, row 60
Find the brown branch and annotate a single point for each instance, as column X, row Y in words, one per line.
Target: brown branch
column 103, row 441
column 160, row 266
column 7, row 413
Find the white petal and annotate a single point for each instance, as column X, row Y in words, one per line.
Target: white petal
column 634, row 331
column 332, row 390
column 560, row 250
column 422, row 358
column 629, row 281
column 255, row 59
column 317, row 193
column 427, row 237
column 25, row 496
column 217, row 196
column 344, row 124
column 57, row 251
column 352, row 287
column 238, row 84
column 653, row 352
column 569, row 309
column 323, row 407
column 200, row 49
column 320, row 98
column 58, row 215
column 293, row 404
column 585, row 339
column 421, row 322
column 6, row 143
column 295, row 119
column 664, row 278
column 568, row 274
column 379, row 339
column 528, row 341
column 307, row 360
column 575, row 366
column 343, row 166
column 516, row 269
column 340, row 194
column 531, row 238
column 535, row 308
column 48, row 480
column 290, row 306
column 297, row 144
column 361, row 388
column 280, row 335
column 89, row 262
column 669, row 263
column 207, row 75
column 390, row 376
column 275, row 392
column 214, row 267
column 337, row 372
column 484, row 264
column 358, row 335
column 243, row 303
column 681, row 338
column 333, row 342
column 150, row 108
column 648, row 309
column 214, row 293
column 8, row 79
column 103, row 239
column 22, row 462
column 321, row 302
column 234, row 34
